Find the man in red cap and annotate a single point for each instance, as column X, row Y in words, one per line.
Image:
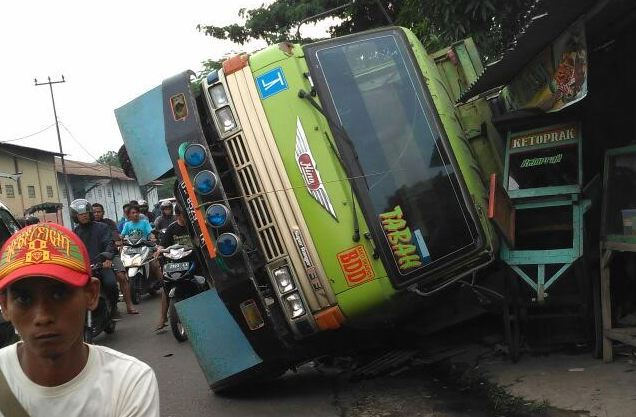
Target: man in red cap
column 45, row 291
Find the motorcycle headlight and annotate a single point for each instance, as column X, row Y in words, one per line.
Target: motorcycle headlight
column 226, row 119
column 136, row 260
column 283, row 279
column 294, row 305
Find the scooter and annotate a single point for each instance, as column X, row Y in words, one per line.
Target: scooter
column 136, row 255
column 180, row 282
column 100, row 319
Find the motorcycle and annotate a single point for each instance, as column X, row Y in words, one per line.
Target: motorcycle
column 100, row 319
column 180, row 282
column 136, row 255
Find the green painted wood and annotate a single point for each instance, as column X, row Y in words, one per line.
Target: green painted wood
column 543, row 191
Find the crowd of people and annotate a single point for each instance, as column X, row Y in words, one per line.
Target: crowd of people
column 101, row 234
column 47, row 288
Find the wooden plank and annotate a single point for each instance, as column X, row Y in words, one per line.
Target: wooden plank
column 606, row 305
column 619, row 246
column 624, row 330
column 620, row 337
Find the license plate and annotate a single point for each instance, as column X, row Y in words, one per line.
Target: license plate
column 176, row 267
column 134, row 250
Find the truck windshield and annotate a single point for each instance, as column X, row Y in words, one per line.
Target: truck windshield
column 371, row 86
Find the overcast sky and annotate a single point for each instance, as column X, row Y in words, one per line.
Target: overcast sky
column 109, row 52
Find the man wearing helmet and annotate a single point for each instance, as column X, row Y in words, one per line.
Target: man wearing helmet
column 167, row 218
column 46, row 290
column 98, row 239
column 143, row 210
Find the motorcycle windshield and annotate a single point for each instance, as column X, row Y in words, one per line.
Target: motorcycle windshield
column 410, row 193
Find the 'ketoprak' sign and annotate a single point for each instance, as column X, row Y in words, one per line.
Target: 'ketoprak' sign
column 550, row 136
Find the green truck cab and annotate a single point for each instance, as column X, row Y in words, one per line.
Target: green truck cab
column 325, row 185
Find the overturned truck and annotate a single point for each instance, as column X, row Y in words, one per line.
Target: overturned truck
column 328, row 187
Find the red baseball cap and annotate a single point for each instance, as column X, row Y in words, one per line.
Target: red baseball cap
column 44, row 250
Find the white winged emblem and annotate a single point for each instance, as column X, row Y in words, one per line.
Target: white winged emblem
column 309, row 170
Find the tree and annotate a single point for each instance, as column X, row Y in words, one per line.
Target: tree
column 437, row 23
column 109, row 158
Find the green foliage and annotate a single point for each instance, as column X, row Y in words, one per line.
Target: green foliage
column 109, row 158
column 437, row 23
column 207, row 66
column 165, row 189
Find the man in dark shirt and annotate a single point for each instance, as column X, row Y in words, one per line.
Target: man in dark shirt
column 166, row 218
column 98, row 239
column 118, row 267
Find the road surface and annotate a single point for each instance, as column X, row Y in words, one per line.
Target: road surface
column 307, row 393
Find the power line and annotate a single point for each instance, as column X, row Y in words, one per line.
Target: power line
column 79, row 143
column 29, row 135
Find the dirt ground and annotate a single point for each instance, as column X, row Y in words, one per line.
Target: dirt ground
column 574, row 382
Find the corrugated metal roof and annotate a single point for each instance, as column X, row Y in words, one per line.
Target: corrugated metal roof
column 17, row 148
column 90, row 169
column 554, row 18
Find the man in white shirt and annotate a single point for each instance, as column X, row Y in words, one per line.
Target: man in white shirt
column 46, row 291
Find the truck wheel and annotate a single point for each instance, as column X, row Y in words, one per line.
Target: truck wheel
column 175, row 323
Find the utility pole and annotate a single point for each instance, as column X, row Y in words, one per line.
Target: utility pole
column 59, row 139
column 112, row 189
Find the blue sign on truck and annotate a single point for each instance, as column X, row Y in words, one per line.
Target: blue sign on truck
column 272, row 82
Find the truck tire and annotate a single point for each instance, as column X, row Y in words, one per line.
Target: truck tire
column 175, row 323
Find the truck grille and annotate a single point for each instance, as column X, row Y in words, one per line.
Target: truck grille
column 258, row 205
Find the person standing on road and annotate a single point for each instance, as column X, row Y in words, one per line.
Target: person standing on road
column 118, row 267
column 46, row 291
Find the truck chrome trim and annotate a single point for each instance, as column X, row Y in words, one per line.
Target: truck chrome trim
column 267, row 185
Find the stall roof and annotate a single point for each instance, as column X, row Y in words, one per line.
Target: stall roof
column 553, row 18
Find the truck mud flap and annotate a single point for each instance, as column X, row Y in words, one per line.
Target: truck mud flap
column 218, row 343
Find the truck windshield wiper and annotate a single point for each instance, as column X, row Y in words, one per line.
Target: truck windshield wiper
column 341, row 133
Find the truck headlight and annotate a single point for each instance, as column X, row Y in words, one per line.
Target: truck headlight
column 226, row 119
column 283, row 279
column 294, row 305
column 218, row 96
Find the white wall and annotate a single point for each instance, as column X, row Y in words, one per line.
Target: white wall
column 124, row 191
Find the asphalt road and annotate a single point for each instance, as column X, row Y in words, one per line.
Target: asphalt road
column 184, row 391
column 308, row 393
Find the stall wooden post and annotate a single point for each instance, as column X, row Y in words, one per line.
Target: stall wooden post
column 606, row 303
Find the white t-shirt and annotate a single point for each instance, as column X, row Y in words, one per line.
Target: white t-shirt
column 110, row 385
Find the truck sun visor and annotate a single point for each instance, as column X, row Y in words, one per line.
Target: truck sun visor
column 142, row 129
